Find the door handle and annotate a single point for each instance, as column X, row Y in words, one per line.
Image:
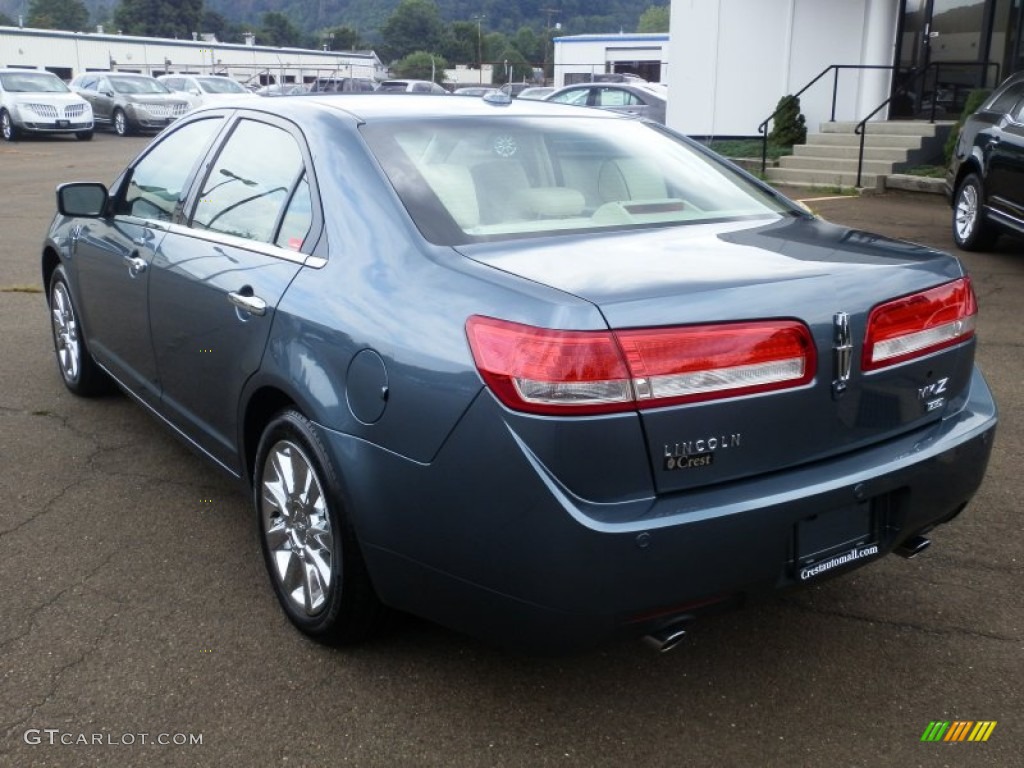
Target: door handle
column 254, row 305
column 136, row 265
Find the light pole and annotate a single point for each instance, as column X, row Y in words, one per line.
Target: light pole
column 479, row 46
column 549, row 12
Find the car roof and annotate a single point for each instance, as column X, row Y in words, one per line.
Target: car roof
column 373, row 107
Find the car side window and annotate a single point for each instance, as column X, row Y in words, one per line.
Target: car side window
column 297, row 218
column 578, row 96
column 157, row 183
column 613, row 97
column 251, row 182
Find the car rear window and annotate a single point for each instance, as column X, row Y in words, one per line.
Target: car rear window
column 465, row 180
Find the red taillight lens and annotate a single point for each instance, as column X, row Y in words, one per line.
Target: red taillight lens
column 916, row 325
column 557, row 372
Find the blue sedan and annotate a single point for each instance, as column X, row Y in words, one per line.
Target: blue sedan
column 542, row 374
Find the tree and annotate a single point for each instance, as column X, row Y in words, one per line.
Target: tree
column 343, row 38
column 421, row 65
column 511, row 67
column 6, row 21
column 459, row 44
column 277, row 29
column 70, row 15
column 415, row 26
column 789, row 126
column 530, row 44
column 159, row 18
column 494, row 43
column 654, row 19
column 218, row 25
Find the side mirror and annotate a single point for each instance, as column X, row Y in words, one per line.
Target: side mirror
column 108, row 94
column 195, row 91
column 82, row 198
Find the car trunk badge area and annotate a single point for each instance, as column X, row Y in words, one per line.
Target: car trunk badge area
column 842, row 349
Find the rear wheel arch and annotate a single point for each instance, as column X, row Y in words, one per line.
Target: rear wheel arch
column 967, row 167
column 260, row 409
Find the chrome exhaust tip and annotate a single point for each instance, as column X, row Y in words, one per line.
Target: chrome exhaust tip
column 913, row 546
column 664, row 640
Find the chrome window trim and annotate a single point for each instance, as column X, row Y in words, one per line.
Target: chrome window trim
column 232, row 241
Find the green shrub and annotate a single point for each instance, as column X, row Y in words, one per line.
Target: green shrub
column 789, row 126
column 974, row 100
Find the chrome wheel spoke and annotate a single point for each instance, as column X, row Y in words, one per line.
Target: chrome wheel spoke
column 277, row 536
column 317, row 583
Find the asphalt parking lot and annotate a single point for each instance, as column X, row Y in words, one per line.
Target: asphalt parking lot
column 135, row 608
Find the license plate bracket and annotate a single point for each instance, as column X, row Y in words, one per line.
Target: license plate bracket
column 834, row 531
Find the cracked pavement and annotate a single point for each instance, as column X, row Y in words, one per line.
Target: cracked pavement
column 134, row 600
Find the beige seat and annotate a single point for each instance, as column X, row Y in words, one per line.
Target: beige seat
column 630, row 179
column 500, row 184
column 454, row 187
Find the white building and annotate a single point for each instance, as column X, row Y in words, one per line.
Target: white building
column 732, row 60
column 67, row 54
column 579, row 57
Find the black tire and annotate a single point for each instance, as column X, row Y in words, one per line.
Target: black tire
column 120, row 122
column 308, row 528
column 77, row 369
column 971, row 230
column 8, row 129
column 84, row 135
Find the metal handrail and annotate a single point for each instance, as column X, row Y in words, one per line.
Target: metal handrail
column 835, row 69
column 860, row 129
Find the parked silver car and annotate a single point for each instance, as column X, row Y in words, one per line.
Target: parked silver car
column 641, row 100
column 205, row 89
column 130, row 102
column 39, row 102
column 410, row 86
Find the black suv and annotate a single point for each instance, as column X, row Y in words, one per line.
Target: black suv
column 985, row 180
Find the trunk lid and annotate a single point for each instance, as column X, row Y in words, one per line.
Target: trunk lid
column 787, row 268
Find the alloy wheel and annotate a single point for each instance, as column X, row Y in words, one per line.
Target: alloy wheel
column 297, row 528
column 65, row 332
column 966, row 211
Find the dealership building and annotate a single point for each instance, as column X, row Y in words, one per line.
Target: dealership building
column 733, row 59
column 67, row 54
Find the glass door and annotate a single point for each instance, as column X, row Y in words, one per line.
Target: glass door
column 946, row 40
column 912, row 55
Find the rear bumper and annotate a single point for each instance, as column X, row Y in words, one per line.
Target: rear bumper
column 486, row 541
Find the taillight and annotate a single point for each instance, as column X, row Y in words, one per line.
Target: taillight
column 587, row 372
column 919, row 324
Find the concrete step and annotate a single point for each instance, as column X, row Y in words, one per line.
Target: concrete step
column 892, row 154
column 834, row 164
column 870, row 140
column 803, row 178
column 889, row 127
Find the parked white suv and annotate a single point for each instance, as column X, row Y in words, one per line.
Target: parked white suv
column 37, row 101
